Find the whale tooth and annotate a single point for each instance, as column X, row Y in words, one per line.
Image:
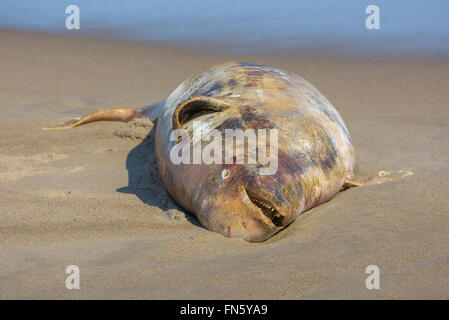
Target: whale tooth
column 267, row 209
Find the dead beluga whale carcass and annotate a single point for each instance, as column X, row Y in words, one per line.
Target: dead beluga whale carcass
column 247, row 148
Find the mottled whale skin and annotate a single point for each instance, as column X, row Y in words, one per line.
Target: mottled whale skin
column 315, row 154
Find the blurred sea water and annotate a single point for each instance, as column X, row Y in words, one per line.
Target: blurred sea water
column 407, row 27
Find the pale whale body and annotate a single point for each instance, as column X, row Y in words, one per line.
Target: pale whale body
column 315, row 157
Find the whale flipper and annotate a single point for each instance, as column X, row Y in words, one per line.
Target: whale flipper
column 117, row 114
column 383, row 176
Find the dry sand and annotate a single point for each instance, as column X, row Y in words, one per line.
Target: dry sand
column 92, row 196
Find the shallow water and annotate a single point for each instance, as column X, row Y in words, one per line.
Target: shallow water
column 409, row 27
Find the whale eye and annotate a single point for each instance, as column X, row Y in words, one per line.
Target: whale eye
column 224, row 174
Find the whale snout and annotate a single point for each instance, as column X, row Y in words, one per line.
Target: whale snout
column 251, row 209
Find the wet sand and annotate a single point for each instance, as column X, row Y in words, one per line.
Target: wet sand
column 92, row 196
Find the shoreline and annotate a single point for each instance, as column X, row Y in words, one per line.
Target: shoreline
column 327, row 51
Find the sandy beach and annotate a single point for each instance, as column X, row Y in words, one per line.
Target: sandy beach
column 92, row 196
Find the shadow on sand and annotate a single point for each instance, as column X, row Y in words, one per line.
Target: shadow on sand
column 145, row 182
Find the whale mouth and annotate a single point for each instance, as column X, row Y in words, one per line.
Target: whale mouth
column 266, row 208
